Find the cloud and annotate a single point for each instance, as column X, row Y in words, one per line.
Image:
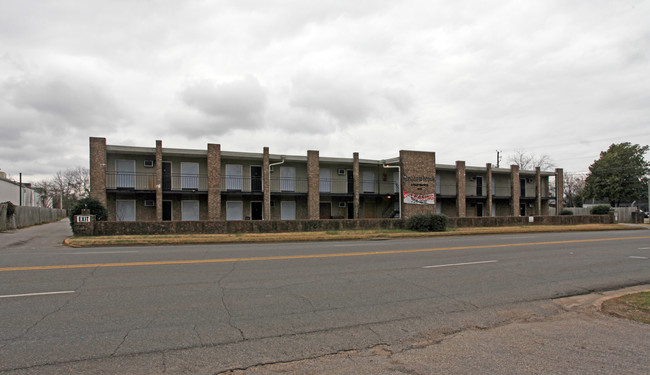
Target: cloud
column 222, row 107
column 347, row 100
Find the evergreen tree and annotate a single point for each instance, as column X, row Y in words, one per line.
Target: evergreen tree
column 620, row 175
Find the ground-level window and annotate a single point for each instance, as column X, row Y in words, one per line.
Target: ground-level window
column 125, row 210
column 234, row 210
column 189, row 210
column 288, row 210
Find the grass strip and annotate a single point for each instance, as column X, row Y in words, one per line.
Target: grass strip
column 634, row 306
column 342, row 235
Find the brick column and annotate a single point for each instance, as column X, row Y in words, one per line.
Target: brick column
column 538, row 191
column 418, row 177
column 214, row 181
column 159, row 190
column 515, row 192
column 559, row 190
column 313, row 192
column 266, row 185
column 98, row 169
column 461, row 209
column 488, row 186
column 355, row 174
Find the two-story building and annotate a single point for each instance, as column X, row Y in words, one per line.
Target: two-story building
column 159, row 184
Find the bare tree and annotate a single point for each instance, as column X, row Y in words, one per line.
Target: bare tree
column 66, row 187
column 574, row 185
column 528, row 160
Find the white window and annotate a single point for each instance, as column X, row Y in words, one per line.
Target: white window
column 438, row 187
column 438, row 208
column 288, row 210
column 288, row 179
column 494, row 209
column 125, row 173
column 234, row 210
column 368, row 181
column 325, row 176
column 190, row 210
column 234, row 173
column 125, row 210
column 189, row 175
column 494, row 189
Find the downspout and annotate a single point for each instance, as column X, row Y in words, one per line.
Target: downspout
column 272, row 164
column 399, row 172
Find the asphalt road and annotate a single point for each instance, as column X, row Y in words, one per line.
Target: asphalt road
column 215, row 308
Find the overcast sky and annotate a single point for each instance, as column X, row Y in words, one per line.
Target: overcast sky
column 461, row 78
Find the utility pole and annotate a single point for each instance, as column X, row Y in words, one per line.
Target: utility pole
column 498, row 158
column 20, row 189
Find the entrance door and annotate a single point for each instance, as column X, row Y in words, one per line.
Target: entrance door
column 325, row 209
column 256, row 180
column 522, row 209
column 350, row 206
column 522, row 187
column 479, row 209
column 350, row 182
column 479, row 187
column 167, row 210
column 256, row 210
column 166, row 175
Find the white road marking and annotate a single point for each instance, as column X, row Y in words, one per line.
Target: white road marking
column 37, row 294
column 516, row 238
column 644, row 248
column 461, row 264
column 636, row 257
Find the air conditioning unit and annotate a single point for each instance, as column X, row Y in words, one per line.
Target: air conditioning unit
column 149, row 203
column 529, row 180
column 340, row 171
column 341, row 204
column 148, row 163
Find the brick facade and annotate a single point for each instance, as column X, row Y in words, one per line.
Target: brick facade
column 165, row 185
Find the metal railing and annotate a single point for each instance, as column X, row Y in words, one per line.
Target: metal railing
column 241, row 184
column 130, row 180
column 289, row 185
column 179, row 182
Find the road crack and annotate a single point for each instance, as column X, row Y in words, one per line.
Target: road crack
column 225, row 305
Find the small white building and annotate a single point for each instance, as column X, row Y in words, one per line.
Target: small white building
column 11, row 191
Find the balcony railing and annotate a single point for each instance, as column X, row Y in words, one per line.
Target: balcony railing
column 288, row 185
column 130, row 180
column 241, row 184
column 446, row 189
column 335, row 185
column 182, row 182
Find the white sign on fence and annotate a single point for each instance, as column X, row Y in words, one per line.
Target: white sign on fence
column 83, row 219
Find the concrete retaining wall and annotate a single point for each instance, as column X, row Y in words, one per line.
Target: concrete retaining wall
column 27, row 216
column 108, row 228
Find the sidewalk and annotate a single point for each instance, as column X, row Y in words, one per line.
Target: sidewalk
column 45, row 236
column 576, row 340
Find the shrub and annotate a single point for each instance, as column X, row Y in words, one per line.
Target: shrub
column 11, row 209
column 602, row 209
column 566, row 212
column 428, row 223
column 94, row 205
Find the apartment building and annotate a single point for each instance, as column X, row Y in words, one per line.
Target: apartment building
column 159, row 184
